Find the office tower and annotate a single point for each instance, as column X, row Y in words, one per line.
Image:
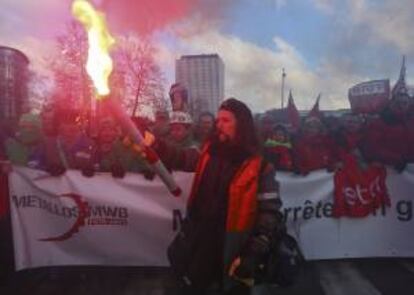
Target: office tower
column 13, row 83
column 203, row 76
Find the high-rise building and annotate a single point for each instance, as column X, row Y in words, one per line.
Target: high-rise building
column 203, row 76
column 13, row 83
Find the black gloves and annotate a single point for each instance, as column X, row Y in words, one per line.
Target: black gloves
column 272, row 157
column 56, row 169
column 88, row 171
column 118, row 171
column 246, row 268
column 400, row 167
column 148, row 174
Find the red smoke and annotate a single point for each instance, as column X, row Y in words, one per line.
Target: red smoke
column 146, row 16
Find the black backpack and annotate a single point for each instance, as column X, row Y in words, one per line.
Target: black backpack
column 283, row 263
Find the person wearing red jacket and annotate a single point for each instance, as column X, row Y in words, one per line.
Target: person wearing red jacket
column 313, row 148
column 385, row 139
column 349, row 135
column 410, row 133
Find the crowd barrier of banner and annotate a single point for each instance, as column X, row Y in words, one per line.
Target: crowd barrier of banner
column 73, row 220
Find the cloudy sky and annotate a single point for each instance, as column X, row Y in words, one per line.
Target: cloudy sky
column 325, row 45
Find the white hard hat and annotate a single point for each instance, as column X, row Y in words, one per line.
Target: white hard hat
column 180, row 118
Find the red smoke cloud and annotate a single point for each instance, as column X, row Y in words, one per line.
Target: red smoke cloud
column 146, row 16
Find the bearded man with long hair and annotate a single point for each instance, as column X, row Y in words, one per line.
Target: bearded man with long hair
column 233, row 210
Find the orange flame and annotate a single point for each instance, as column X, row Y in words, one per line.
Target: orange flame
column 99, row 64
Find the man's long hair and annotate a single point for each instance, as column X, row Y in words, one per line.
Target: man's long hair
column 246, row 136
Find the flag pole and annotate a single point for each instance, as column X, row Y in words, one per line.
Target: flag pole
column 282, row 100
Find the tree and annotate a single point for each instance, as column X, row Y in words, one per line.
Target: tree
column 136, row 80
column 142, row 76
column 39, row 88
column 68, row 67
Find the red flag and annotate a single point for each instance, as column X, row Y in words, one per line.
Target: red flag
column 370, row 96
column 359, row 192
column 292, row 112
column 315, row 112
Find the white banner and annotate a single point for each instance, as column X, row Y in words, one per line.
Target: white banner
column 387, row 232
column 131, row 221
column 370, row 88
column 369, row 97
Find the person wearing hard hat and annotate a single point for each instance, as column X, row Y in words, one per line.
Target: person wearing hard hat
column 181, row 125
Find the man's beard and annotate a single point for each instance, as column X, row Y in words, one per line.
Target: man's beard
column 221, row 139
column 227, row 148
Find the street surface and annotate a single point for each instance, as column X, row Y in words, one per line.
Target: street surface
column 330, row 277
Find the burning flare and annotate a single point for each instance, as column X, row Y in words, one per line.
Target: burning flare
column 99, row 64
column 99, row 67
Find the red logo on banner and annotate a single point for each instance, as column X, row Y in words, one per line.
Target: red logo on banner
column 359, row 192
column 80, row 220
column 85, row 213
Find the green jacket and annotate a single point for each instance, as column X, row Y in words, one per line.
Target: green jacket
column 121, row 155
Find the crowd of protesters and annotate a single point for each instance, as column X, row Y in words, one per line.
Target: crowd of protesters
column 321, row 142
column 61, row 138
column 58, row 139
